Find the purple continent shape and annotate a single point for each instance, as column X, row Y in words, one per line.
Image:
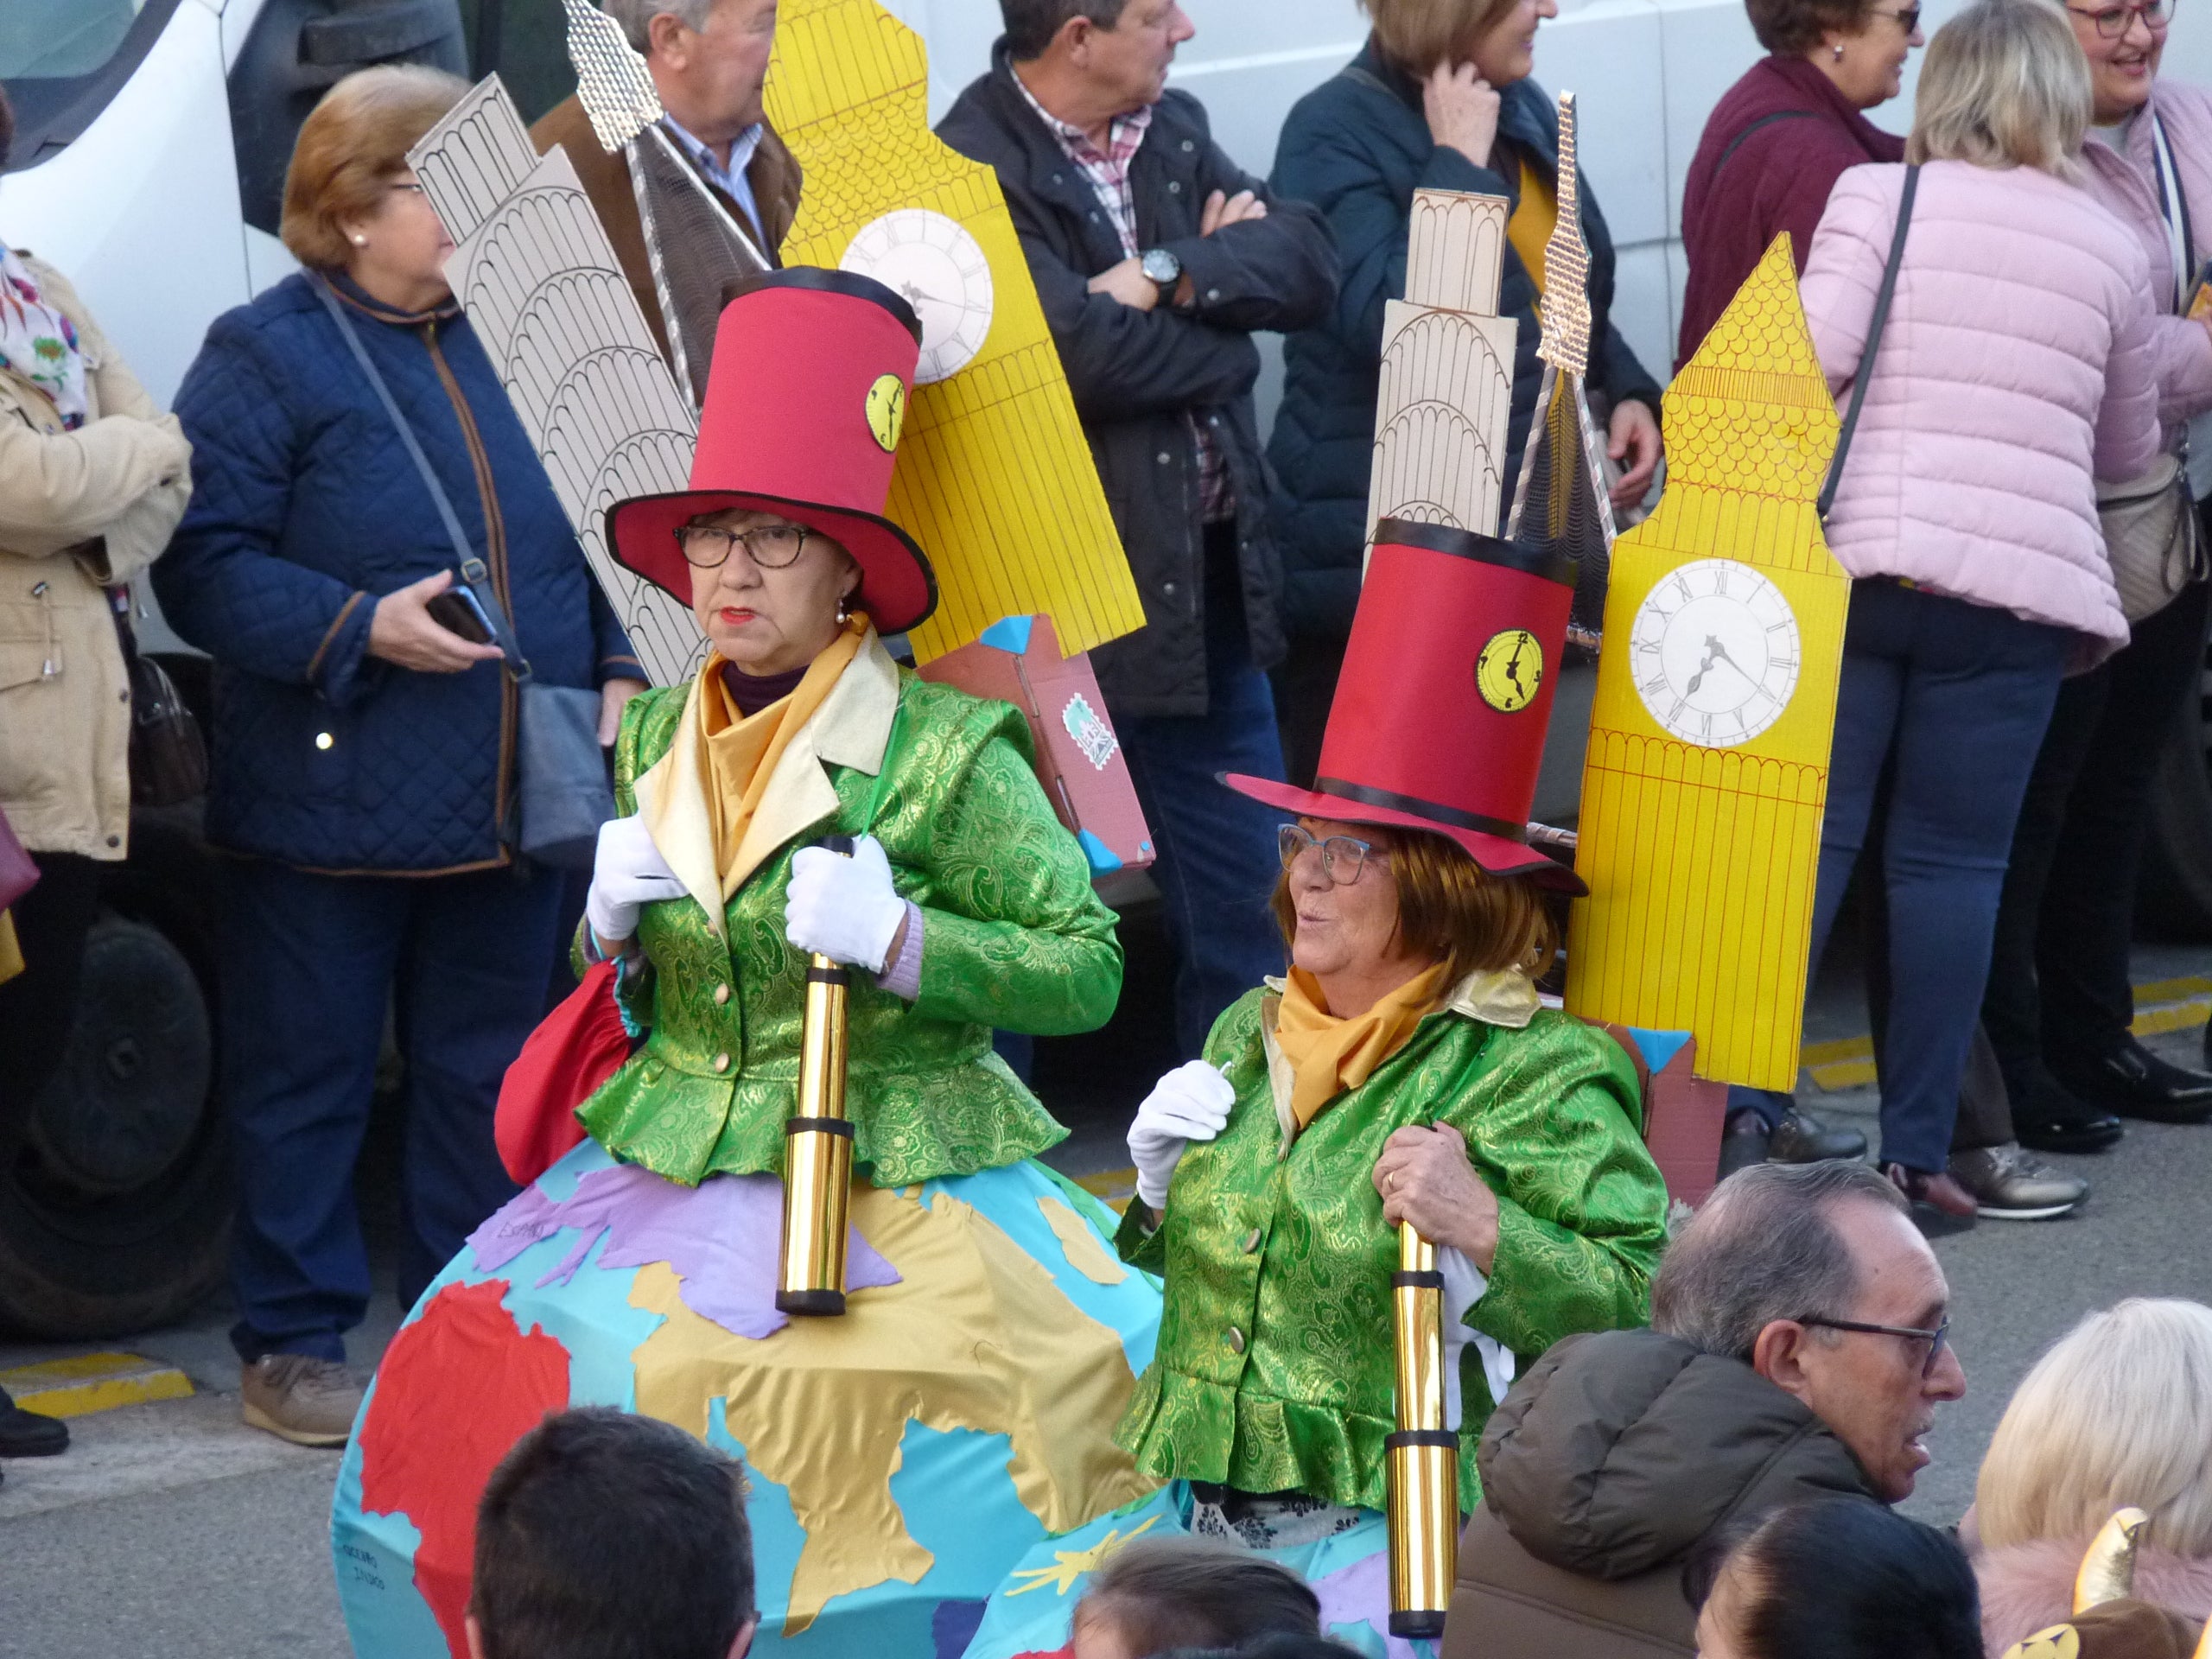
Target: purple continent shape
column 721, row 1237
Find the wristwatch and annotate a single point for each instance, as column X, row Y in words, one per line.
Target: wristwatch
column 1162, row 268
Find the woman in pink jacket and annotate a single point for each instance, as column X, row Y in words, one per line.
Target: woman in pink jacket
column 2017, row 368
column 2059, row 1004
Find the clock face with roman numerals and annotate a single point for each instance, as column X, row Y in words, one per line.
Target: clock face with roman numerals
column 1715, row 652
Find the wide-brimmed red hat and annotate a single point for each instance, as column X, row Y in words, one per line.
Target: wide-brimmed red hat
column 804, row 403
column 1439, row 713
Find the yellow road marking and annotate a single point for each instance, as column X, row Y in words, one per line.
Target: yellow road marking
column 89, row 1382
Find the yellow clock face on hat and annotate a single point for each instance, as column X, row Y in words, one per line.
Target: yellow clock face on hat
column 887, row 409
column 1509, row 670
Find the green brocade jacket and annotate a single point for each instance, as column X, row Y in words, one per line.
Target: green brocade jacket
column 1013, row 936
column 1274, row 1367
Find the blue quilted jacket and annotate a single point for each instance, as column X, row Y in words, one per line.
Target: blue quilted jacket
column 307, row 510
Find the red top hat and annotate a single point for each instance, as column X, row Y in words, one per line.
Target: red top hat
column 1439, row 712
column 804, row 403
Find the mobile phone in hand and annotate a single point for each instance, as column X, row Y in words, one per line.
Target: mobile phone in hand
column 458, row 611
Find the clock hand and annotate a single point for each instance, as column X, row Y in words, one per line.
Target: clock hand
column 1513, row 663
column 1698, row 678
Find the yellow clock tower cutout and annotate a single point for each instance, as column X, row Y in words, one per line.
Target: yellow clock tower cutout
column 1706, row 775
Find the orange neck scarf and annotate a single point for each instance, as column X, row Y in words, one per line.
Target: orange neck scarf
column 740, row 752
column 1330, row 1057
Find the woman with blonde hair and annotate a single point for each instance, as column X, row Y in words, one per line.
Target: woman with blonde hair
column 2017, row 368
column 363, row 765
column 1439, row 97
column 2118, row 1413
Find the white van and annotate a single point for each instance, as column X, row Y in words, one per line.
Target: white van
column 151, row 141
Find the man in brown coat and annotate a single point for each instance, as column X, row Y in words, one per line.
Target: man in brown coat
column 708, row 59
column 1797, row 1350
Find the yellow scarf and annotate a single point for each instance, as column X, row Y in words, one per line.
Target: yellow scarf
column 739, row 753
column 1328, row 1055
column 1530, row 228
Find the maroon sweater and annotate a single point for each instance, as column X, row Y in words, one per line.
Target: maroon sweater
column 1773, row 149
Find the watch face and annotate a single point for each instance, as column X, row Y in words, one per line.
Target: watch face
column 1160, row 266
column 1715, row 652
column 1509, row 670
column 937, row 267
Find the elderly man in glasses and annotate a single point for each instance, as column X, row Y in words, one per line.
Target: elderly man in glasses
column 1798, row 1350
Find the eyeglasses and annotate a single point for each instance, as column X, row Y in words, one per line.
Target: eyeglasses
column 1343, row 857
column 411, row 186
column 1908, row 19
column 770, row 546
column 1935, row 1339
column 2113, row 21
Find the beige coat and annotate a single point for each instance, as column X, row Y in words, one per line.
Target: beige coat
column 78, row 510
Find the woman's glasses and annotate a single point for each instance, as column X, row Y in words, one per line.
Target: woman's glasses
column 1907, row 19
column 1343, row 857
column 770, row 546
column 2113, row 21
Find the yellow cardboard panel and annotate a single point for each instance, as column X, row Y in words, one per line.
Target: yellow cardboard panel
column 994, row 479
column 1706, row 775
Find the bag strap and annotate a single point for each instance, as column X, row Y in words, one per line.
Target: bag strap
column 473, row 570
column 2173, row 208
column 1873, row 341
column 1768, row 120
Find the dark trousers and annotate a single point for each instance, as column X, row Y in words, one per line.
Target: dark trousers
column 1216, row 860
column 2059, row 993
column 310, row 964
column 1304, row 685
column 1954, row 698
column 38, row 1005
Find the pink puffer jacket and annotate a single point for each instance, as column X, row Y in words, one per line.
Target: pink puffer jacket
column 2018, row 367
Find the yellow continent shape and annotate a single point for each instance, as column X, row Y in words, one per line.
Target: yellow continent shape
column 976, row 1335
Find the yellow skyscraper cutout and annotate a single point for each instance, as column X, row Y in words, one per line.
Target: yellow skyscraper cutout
column 1707, row 774
column 994, row 478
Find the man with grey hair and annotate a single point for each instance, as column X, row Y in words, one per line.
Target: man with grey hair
column 1798, row 1349
column 708, row 59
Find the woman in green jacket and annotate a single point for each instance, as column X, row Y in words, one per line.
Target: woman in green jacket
column 989, row 1338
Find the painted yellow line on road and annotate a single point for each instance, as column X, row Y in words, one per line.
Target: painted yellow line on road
column 89, row 1382
column 2161, row 1005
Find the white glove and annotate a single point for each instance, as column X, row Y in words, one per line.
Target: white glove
column 844, row 908
column 1190, row 1104
column 627, row 873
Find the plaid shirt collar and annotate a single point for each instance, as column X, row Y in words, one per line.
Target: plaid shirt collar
column 1107, row 169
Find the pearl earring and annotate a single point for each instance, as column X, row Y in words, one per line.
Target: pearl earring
column 363, row 241
column 1838, row 52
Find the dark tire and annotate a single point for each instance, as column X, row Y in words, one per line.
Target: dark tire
column 115, row 1196
column 2174, row 898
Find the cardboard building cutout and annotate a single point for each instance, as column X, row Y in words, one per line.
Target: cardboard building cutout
column 994, row 476
column 1706, row 775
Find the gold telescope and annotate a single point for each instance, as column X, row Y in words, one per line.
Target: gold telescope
column 1423, row 1456
column 818, row 1146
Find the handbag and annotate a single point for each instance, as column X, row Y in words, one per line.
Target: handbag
column 1874, row 327
column 169, row 756
column 2151, row 537
column 575, row 1049
column 563, row 793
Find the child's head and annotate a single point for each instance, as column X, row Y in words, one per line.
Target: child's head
column 604, row 1533
column 1153, row 1596
column 1836, row 1580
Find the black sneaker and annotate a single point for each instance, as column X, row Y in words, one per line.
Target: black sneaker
column 1802, row 1139
column 2053, row 1121
column 28, row 1434
column 2135, row 1083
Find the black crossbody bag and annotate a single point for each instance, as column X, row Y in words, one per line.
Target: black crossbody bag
column 561, row 791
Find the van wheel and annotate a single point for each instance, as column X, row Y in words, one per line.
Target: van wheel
column 115, row 1189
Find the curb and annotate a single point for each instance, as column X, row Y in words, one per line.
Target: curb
column 89, row 1382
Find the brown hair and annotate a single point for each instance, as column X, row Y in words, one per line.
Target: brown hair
column 1159, row 1595
column 1416, row 36
column 1793, row 28
column 354, row 143
column 1450, row 909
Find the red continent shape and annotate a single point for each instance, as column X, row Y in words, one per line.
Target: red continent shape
column 457, row 1390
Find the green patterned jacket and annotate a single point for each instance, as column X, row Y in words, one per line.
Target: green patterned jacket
column 1274, row 1365
column 1013, row 936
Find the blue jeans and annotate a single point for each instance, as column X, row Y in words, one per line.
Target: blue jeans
column 1959, row 695
column 1217, row 855
column 309, row 963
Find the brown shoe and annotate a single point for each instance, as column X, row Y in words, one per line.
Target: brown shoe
column 299, row 1398
column 1940, row 1204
